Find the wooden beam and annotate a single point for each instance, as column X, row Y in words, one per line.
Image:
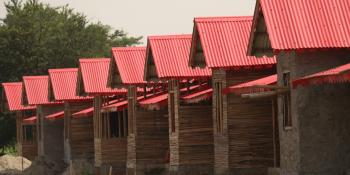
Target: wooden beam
column 271, row 87
column 266, row 94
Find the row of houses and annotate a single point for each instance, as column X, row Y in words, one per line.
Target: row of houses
column 266, row 94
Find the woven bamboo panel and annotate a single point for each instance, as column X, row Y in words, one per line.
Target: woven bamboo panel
column 114, row 151
column 195, row 135
column 151, row 140
column 82, row 137
column 29, row 150
column 250, row 132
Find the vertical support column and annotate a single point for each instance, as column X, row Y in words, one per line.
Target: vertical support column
column 67, row 129
column 19, row 128
column 97, row 102
column 131, row 139
column 174, row 145
column 220, row 127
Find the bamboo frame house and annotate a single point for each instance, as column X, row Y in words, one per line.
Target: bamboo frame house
column 243, row 137
column 190, row 124
column 311, row 120
column 25, row 119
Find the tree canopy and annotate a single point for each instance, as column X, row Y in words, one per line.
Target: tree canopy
column 35, row 37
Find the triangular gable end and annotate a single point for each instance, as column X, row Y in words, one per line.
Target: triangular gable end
column 197, row 58
column 4, row 102
column 150, row 71
column 114, row 78
column 259, row 41
column 24, row 100
column 80, row 91
column 51, row 95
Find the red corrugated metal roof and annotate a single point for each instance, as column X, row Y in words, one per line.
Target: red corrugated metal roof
column 95, row 75
column 116, row 106
column 299, row 24
column 155, row 102
column 335, row 75
column 64, row 84
column 198, row 96
column 37, row 89
column 171, row 55
column 250, row 87
column 56, row 115
column 13, row 93
column 84, row 113
column 131, row 63
column 30, row 120
column 89, row 111
column 224, row 41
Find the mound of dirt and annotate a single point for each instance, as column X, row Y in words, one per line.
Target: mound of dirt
column 80, row 166
column 43, row 166
column 11, row 165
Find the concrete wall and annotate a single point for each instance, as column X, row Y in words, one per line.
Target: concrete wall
column 51, row 143
column 318, row 142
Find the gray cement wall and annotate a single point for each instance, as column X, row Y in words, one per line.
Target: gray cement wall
column 318, row 142
column 52, row 142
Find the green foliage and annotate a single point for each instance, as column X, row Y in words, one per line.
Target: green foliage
column 35, row 37
column 11, row 149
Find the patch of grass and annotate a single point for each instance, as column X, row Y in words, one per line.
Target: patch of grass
column 10, row 150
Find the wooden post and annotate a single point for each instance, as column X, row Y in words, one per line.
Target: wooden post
column 110, row 170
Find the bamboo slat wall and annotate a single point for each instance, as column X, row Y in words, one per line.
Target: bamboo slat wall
column 82, row 138
column 29, row 150
column 79, row 132
column 196, row 135
column 223, row 138
column 191, row 135
column 149, row 145
column 109, row 150
column 25, row 147
column 250, row 132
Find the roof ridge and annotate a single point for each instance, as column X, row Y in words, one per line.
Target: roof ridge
column 63, row 70
column 36, row 77
column 94, row 59
column 223, row 18
column 11, row 83
column 129, row 48
column 184, row 36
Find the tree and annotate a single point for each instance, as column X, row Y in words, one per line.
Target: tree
column 35, row 37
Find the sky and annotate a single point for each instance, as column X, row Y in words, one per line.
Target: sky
column 152, row 17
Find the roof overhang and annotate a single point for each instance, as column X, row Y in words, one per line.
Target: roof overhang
column 340, row 74
column 198, row 96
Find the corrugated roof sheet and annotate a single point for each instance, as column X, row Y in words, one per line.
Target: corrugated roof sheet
column 131, row 63
column 64, row 84
column 171, row 56
column 37, row 89
column 339, row 74
column 250, row 87
column 299, row 24
column 95, row 76
column 224, row 42
column 30, row 120
column 198, row 96
column 13, row 93
column 56, row 115
column 116, row 106
column 155, row 103
column 89, row 111
column 84, row 113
